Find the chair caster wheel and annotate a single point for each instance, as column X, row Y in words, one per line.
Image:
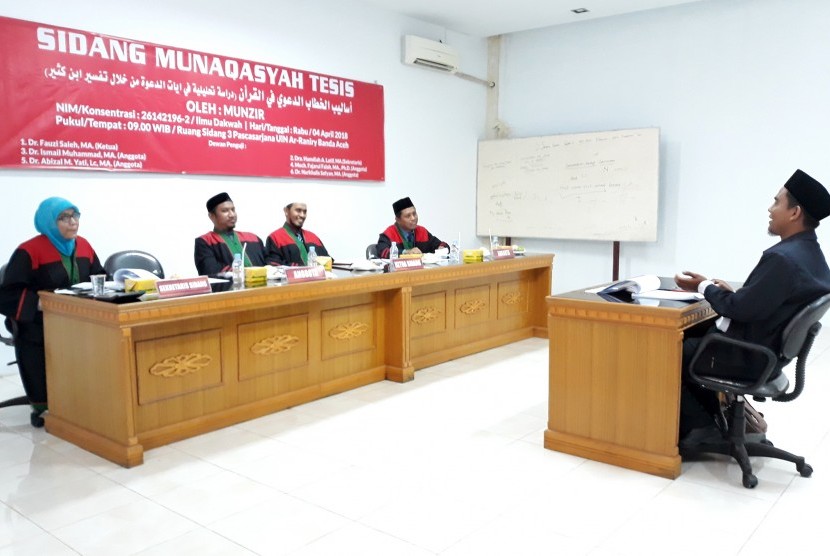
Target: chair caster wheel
column 750, row 480
column 36, row 419
column 806, row 470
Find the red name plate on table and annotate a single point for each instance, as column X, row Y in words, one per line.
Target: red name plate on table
column 407, row 264
column 299, row 274
column 183, row 286
column 503, row 253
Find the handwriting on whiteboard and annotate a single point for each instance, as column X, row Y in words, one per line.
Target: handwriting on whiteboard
column 582, row 186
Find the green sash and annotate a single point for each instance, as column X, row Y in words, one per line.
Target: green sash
column 300, row 244
column 233, row 243
column 71, row 267
column 406, row 244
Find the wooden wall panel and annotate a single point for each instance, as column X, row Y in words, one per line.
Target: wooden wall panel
column 178, row 365
column 347, row 330
column 429, row 314
column 272, row 346
column 472, row 306
column 513, row 298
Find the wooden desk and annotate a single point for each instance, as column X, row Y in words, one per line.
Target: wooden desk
column 615, row 379
column 125, row 378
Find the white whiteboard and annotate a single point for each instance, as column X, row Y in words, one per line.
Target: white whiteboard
column 600, row 186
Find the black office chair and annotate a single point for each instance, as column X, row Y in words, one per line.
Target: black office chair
column 133, row 259
column 796, row 341
column 11, row 326
column 372, row 251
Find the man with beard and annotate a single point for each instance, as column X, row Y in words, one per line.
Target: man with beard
column 214, row 251
column 289, row 245
column 791, row 274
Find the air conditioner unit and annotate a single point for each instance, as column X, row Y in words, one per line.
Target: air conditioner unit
column 430, row 54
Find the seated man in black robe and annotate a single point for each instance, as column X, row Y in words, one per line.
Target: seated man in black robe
column 790, row 275
column 289, row 245
column 214, row 251
column 406, row 233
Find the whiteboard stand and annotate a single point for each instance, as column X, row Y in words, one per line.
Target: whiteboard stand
column 615, row 269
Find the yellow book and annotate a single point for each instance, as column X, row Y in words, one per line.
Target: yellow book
column 324, row 261
column 140, row 284
column 255, row 273
column 473, row 255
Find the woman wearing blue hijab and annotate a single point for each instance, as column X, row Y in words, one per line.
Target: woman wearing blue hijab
column 57, row 258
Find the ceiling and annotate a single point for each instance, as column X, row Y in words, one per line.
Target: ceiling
column 484, row 18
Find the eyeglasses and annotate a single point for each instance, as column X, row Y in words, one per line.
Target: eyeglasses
column 65, row 218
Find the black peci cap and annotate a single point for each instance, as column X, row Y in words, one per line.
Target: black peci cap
column 810, row 194
column 401, row 205
column 216, row 200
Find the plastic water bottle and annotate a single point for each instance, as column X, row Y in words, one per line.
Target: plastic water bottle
column 238, row 272
column 312, row 256
column 393, row 251
column 455, row 252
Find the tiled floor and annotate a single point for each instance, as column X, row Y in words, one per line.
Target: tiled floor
column 451, row 463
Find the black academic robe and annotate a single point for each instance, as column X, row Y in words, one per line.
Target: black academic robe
column 790, row 275
column 281, row 249
column 424, row 241
column 212, row 255
column 36, row 265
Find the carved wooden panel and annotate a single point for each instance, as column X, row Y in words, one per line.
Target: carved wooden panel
column 272, row 345
column 513, row 298
column 347, row 330
column 175, row 365
column 472, row 306
column 428, row 314
column 181, row 365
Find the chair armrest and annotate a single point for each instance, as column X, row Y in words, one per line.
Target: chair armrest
column 727, row 383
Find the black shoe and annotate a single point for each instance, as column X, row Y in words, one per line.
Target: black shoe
column 709, row 434
column 36, row 418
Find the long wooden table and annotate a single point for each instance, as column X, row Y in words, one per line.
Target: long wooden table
column 126, row 378
column 615, row 379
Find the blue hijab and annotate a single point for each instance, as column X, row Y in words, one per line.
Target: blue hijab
column 46, row 222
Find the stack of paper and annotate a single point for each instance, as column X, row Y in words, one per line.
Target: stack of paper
column 646, row 286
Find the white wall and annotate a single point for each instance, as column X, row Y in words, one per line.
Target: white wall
column 741, row 92
column 433, row 121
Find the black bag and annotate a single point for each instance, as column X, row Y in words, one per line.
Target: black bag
column 755, row 422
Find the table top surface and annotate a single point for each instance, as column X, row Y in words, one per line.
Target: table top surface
column 666, row 283
column 224, row 298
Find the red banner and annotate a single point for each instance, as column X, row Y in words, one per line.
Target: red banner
column 80, row 100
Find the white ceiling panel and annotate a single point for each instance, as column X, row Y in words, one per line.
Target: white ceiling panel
column 484, row 18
